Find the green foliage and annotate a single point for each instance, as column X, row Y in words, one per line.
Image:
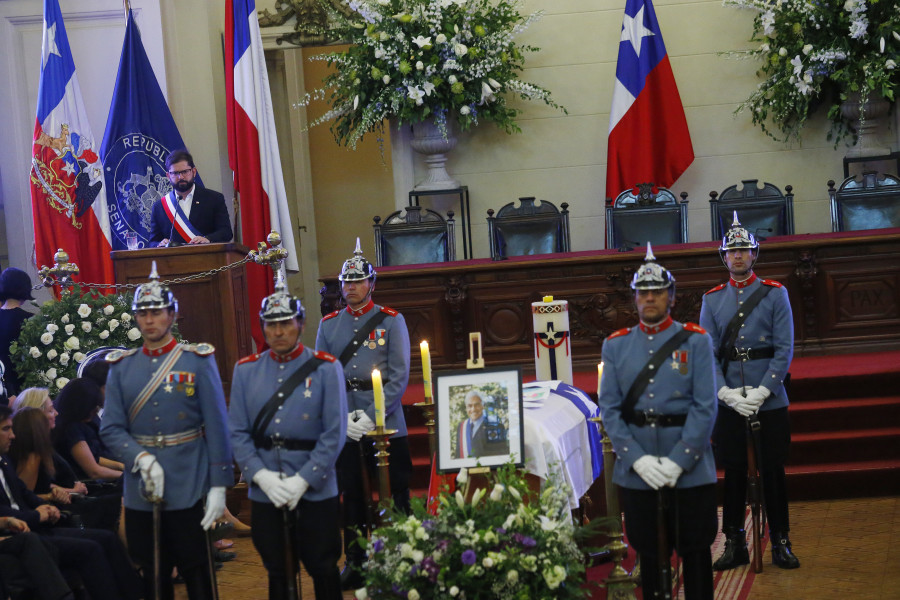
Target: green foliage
column 54, row 341
column 414, row 59
column 815, row 54
column 506, row 543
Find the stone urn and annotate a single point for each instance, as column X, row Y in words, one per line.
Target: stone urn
column 867, row 121
column 429, row 141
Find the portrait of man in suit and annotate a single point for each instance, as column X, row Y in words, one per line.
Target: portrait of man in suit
column 482, row 432
column 190, row 213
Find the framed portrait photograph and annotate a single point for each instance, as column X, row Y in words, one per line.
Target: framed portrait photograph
column 479, row 418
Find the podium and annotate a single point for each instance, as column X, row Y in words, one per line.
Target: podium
column 212, row 308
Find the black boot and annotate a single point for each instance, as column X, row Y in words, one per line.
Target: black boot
column 351, row 575
column 782, row 556
column 735, row 553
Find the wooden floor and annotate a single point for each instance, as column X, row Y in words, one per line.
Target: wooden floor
column 849, row 550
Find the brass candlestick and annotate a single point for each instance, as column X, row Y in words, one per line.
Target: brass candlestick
column 428, row 411
column 620, row 584
column 381, row 435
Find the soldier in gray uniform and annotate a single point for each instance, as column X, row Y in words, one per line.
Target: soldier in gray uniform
column 659, row 406
column 288, row 421
column 752, row 327
column 165, row 419
column 365, row 336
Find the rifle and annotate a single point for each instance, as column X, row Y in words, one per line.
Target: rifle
column 754, row 481
column 290, row 563
column 663, row 564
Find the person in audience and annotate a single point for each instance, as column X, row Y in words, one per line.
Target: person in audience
column 28, row 565
column 190, row 213
column 658, row 403
column 35, row 461
column 97, row 554
column 752, row 327
column 15, row 290
column 77, row 436
column 364, row 337
column 165, row 417
column 290, row 459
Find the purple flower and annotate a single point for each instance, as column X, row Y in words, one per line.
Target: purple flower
column 469, row 557
column 526, row 541
column 428, row 524
column 378, row 545
column 442, row 545
column 500, row 530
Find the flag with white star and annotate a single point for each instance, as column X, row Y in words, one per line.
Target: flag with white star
column 68, row 200
column 649, row 141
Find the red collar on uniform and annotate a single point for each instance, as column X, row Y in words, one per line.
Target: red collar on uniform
column 744, row 283
column 358, row 313
column 283, row 358
column 656, row 328
column 160, row 351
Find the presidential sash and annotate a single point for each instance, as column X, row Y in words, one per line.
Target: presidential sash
column 180, row 222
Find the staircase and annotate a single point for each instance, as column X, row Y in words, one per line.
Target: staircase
column 845, row 422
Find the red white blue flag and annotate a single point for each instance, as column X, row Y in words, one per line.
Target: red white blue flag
column 253, row 146
column 649, row 141
column 68, row 199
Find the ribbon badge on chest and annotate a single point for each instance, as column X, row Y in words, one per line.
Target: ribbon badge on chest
column 376, row 338
column 183, row 382
column 680, row 361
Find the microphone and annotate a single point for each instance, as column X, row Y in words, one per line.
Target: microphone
column 758, row 229
column 628, row 245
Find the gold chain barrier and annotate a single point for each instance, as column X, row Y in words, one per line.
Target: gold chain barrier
column 62, row 270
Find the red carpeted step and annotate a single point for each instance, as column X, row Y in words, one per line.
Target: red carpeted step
column 844, row 376
column 839, row 446
column 852, row 479
column 846, row 413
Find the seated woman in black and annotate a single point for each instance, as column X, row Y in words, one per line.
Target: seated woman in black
column 77, row 436
column 48, row 475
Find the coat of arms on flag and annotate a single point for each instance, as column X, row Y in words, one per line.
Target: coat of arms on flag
column 68, row 170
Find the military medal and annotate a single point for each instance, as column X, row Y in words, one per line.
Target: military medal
column 680, row 361
column 307, row 393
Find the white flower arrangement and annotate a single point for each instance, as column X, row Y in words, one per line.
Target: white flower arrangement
column 417, row 59
column 817, row 54
column 498, row 547
column 56, row 340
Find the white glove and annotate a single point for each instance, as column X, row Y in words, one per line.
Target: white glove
column 360, row 427
column 756, row 396
column 352, row 418
column 215, row 507
column 273, row 487
column 737, row 401
column 152, row 474
column 296, row 486
column 651, row 471
column 671, row 469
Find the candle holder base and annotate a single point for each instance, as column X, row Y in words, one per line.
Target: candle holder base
column 382, row 443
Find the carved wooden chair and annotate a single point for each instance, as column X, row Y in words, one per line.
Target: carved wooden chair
column 640, row 215
column 867, row 201
column 763, row 211
column 417, row 237
column 529, row 228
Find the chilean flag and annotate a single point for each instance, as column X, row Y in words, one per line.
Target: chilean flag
column 649, row 141
column 68, row 200
column 253, row 147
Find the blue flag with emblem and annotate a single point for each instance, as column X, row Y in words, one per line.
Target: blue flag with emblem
column 140, row 132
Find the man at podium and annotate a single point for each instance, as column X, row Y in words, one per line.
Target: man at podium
column 190, row 213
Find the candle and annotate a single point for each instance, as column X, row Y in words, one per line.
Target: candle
column 426, row 371
column 548, row 298
column 599, row 378
column 379, row 398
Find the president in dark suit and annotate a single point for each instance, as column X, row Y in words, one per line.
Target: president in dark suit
column 190, row 213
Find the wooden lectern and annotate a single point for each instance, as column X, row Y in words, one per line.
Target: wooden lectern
column 212, row 308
